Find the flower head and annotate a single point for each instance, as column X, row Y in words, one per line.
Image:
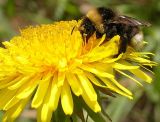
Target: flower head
column 48, row 63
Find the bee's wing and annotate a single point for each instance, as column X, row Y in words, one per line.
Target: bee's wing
column 130, row 21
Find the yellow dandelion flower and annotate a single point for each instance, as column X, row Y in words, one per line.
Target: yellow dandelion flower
column 47, row 63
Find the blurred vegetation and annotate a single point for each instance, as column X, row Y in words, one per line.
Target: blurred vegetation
column 16, row 14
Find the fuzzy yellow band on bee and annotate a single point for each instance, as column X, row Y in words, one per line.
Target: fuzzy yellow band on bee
column 97, row 19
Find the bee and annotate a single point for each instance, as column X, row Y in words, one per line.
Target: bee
column 106, row 21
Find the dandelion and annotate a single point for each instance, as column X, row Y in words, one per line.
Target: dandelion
column 47, row 64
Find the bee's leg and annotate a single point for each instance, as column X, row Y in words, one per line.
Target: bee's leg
column 86, row 37
column 98, row 35
column 123, row 45
column 86, row 34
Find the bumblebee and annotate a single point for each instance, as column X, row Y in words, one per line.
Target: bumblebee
column 106, row 21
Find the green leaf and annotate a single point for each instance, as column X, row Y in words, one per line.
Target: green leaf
column 58, row 115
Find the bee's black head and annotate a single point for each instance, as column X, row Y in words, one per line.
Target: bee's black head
column 106, row 13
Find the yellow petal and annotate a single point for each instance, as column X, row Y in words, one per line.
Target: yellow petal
column 74, row 83
column 100, row 52
column 115, row 88
column 143, row 61
column 44, row 111
column 140, row 74
column 6, row 96
column 20, row 82
column 124, row 67
column 121, row 87
column 44, row 114
column 87, row 86
column 61, row 77
column 96, row 72
column 94, row 80
column 27, row 88
column 103, row 67
column 66, row 99
column 11, row 103
column 129, row 77
column 111, row 60
column 114, row 39
column 55, row 94
column 92, row 104
column 9, row 80
column 41, row 91
column 11, row 114
column 147, row 69
column 102, row 40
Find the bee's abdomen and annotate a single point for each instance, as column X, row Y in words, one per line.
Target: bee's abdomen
column 123, row 30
